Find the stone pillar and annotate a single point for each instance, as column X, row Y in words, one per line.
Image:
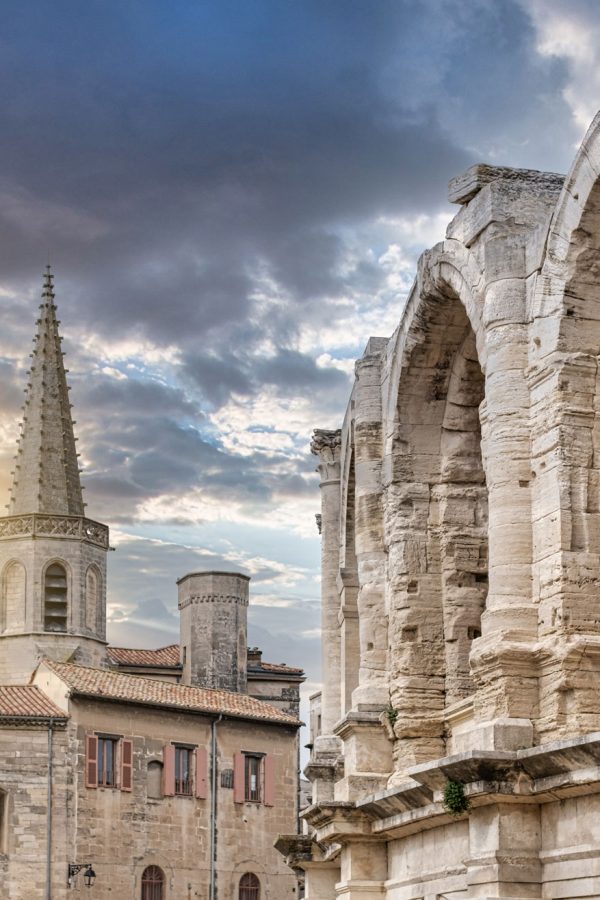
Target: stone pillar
column 327, row 446
column 501, row 659
column 372, row 691
column 505, row 842
column 349, row 638
column 213, row 608
column 363, row 871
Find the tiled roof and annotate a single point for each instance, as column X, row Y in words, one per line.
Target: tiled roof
column 274, row 668
column 164, row 656
column 110, row 685
column 21, row 701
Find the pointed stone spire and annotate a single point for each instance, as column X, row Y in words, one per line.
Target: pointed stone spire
column 46, row 475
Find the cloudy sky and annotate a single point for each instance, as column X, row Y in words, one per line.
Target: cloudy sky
column 233, row 195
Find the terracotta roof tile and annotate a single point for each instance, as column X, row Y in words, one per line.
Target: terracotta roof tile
column 27, row 701
column 110, row 685
column 126, row 656
column 276, row 668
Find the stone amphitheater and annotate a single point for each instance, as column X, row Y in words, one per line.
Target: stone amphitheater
column 458, row 753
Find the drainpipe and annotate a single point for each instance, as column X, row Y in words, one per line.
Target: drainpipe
column 213, row 808
column 49, row 820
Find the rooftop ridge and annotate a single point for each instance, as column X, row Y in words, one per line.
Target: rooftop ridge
column 108, row 684
column 46, row 476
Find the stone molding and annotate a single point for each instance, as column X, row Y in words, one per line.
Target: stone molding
column 47, row 526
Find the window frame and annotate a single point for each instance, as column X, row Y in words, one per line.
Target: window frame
column 183, row 789
column 252, row 760
column 148, row 886
column 116, row 751
column 249, row 891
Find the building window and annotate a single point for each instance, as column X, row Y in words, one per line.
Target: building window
column 252, row 767
column 249, row 887
column 183, row 770
column 153, row 883
column 107, row 754
column 55, row 598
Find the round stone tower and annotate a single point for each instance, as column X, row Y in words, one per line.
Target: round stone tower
column 213, row 609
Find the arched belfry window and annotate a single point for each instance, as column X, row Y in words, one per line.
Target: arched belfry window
column 153, row 883
column 249, row 887
column 55, row 598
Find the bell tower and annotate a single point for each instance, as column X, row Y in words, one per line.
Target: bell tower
column 52, row 558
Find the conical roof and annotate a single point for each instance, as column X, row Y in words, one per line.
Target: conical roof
column 46, row 475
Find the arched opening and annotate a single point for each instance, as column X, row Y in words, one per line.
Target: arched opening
column 92, row 583
column 153, row 883
column 55, row 598
column 437, row 527
column 249, row 887
column 155, row 779
column 13, row 597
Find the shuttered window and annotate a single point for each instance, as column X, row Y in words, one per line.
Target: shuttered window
column 254, row 778
column 108, row 762
column 185, row 771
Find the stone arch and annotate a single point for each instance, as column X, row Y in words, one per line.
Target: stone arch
column 436, row 512
column 93, row 594
column 254, row 867
column 56, row 596
column 13, row 598
column 564, row 356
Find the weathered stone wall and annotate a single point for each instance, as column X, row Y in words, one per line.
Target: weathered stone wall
column 123, row 832
column 213, row 609
column 470, row 469
column 23, row 827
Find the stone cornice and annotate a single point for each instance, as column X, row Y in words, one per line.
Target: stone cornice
column 47, row 526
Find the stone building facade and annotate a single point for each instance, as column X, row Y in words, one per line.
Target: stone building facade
column 461, row 567
column 168, row 772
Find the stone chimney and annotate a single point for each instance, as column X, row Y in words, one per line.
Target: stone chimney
column 213, row 610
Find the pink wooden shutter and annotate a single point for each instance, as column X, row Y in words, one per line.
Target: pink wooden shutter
column 201, row 768
column 269, row 764
column 126, row 765
column 239, row 777
column 91, row 761
column 169, row 770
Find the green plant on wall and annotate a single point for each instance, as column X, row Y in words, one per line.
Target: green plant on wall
column 455, row 801
column 391, row 714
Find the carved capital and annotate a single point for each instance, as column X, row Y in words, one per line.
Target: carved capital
column 326, row 444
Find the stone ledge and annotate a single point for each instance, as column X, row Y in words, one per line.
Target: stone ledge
column 463, row 188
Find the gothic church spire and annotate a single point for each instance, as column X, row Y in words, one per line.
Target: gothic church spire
column 46, row 476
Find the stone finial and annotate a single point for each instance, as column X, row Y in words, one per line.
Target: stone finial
column 47, row 480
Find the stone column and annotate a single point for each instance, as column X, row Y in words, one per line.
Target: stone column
column 501, row 659
column 372, row 691
column 326, row 445
column 363, row 871
column 505, row 842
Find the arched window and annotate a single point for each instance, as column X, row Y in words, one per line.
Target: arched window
column 55, row 598
column 249, row 887
column 153, row 884
column 91, row 599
